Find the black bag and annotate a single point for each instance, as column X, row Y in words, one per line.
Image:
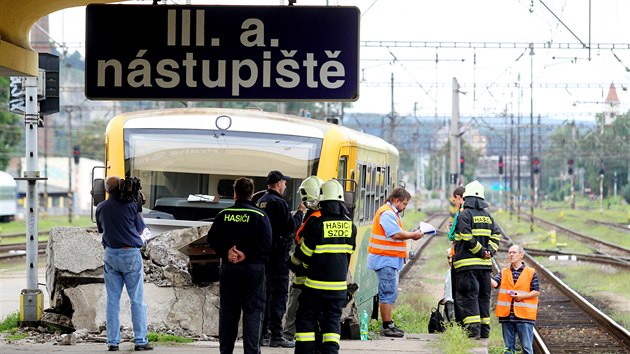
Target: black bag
column 436, row 321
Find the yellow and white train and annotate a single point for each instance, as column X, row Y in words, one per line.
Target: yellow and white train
column 200, row 152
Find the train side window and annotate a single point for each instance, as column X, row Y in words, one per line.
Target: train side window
column 342, row 168
column 361, row 201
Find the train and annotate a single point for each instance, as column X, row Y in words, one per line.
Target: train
column 8, row 197
column 186, row 156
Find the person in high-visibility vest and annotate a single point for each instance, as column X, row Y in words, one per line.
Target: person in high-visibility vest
column 517, row 302
column 387, row 252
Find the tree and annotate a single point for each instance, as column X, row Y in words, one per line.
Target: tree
column 10, row 126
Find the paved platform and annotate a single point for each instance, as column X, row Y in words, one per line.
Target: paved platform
column 412, row 343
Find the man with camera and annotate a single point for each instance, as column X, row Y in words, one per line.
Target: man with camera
column 120, row 223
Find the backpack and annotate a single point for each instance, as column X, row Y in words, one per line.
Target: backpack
column 436, row 321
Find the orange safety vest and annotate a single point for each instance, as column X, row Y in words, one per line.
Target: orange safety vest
column 315, row 214
column 525, row 309
column 382, row 245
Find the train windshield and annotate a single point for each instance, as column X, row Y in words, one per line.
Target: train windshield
column 188, row 174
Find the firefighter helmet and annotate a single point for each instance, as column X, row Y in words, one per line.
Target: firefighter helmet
column 474, row 189
column 331, row 191
column 309, row 191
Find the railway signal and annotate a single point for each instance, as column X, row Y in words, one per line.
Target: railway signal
column 76, row 153
column 461, row 165
column 536, row 165
column 500, row 165
column 570, row 162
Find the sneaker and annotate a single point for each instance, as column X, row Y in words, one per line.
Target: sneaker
column 142, row 347
column 392, row 331
column 281, row 342
column 265, row 341
column 398, row 329
column 112, row 348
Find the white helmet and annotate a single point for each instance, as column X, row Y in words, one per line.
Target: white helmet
column 309, row 191
column 331, row 191
column 474, row 189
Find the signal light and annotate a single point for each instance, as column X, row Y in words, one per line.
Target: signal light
column 570, row 162
column 536, row 163
column 500, row 165
column 76, row 153
column 461, row 164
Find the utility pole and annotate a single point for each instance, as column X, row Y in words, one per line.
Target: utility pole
column 392, row 116
column 454, row 151
column 511, row 165
column 518, row 153
column 532, row 186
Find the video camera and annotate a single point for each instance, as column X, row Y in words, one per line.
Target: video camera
column 129, row 191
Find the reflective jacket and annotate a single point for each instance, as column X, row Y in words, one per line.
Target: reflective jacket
column 475, row 233
column 327, row 244
column 525, row 309
column 298, row 270
column 382, row 245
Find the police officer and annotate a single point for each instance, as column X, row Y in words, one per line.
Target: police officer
column 309, row 195
column 476, row 241
column 283, row 226
column 327, row 244
column 241, row 235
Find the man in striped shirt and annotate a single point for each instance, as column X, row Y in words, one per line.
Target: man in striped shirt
column 517, row 302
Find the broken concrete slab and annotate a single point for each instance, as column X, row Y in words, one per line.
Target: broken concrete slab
column 74, row 279
column 194, row 308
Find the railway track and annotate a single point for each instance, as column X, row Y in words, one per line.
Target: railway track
column 15, row 250
column 599, row 246
column 593, row 258
column 612, row 225
column 566, row 322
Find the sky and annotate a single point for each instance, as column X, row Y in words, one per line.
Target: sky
column 566, row 83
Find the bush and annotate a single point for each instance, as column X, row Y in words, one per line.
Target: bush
column 10, row 322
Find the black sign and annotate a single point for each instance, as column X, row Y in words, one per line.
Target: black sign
column 222, row 52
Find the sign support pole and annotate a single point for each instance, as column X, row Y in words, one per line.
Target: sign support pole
column 31, row 300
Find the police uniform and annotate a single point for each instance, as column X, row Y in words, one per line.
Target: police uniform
column 242, row 284
column 475, row 233
column 283, row 225
column 325, row 252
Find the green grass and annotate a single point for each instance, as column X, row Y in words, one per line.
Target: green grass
column 10, row 322
column 455, row 340
column 167, row 338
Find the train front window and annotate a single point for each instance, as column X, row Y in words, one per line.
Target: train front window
column 174, row 164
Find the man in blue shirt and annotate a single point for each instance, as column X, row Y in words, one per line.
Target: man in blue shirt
column 387, row 254
column 120, row 224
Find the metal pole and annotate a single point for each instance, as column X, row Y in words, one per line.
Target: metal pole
column 31, row 300
column 454, row 153
column 511, row 165
column 69, row 142
column 531, row 138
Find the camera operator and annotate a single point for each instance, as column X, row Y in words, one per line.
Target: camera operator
column 120, row 224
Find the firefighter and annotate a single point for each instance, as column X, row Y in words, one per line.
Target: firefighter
column 309, row 195
column 241, row 235
column 283, row 226
column 476, row 241
column 327, row 244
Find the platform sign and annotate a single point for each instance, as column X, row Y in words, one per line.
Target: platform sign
column 222, row 52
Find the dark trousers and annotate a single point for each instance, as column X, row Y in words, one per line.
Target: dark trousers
column 473, row 299
column 277, row 295
column 242, row 288
column 319, row 312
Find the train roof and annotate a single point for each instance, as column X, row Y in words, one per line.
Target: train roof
column 7, row 180
column 253, row 120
